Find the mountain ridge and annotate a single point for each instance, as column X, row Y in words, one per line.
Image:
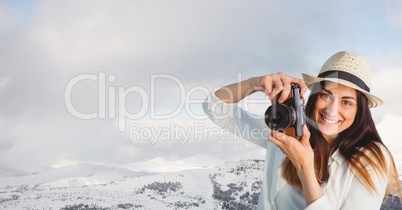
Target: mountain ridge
column 230, row 185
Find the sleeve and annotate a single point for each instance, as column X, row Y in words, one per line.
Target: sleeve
column 236, row 120
column 321, row 203
column 357, row 196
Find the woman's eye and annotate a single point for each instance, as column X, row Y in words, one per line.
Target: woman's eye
column 346, row 103
column 325, row 96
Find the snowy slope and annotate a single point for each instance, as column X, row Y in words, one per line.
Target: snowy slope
column 230, row 185
column 161, row 165
column 75, row 175
column 110, row 188
column 6, row 171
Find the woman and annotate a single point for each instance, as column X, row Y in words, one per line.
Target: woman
column 340, row 161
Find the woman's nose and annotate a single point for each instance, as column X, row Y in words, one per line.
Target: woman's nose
column 332, row 109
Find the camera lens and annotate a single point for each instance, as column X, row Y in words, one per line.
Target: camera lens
column 279, row 117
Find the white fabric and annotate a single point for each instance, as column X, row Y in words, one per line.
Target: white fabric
column 342, row 191
column 290, row 198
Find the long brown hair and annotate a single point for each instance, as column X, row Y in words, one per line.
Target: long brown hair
column 360, row 145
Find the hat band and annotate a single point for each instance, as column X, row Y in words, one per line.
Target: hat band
column 345, row 76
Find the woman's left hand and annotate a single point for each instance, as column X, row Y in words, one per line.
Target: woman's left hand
column 298, row 151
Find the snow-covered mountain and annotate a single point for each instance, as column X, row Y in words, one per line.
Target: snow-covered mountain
column 159, row 185
column 6, row 171
column 162, row 185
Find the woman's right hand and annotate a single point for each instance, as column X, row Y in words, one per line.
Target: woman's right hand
column 275, row 83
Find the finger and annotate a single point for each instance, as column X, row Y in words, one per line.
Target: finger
column 286, row 88
column 280, row 139
column 279, row 135
column 276, row 141
column 268, row 83
column 303, row 87
column 305, row 139
column 277, row 86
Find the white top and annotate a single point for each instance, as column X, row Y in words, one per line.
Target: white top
column 342, row 191
column 290, row 198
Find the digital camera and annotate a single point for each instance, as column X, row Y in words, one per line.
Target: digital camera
column 287, row 117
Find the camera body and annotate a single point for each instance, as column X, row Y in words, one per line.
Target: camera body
column 287, row 117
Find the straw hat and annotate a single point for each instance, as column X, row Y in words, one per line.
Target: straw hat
column 347, row 69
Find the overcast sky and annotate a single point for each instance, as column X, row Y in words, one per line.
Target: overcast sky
column 72, row 72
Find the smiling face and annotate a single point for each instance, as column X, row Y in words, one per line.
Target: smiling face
column 335, row 109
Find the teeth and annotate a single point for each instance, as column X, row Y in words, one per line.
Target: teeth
column 330, row 121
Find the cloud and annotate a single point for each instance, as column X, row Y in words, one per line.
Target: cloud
column 387, row 69
column 389, row 132
column 394, row 9
column 203, row 44
column 6, row 18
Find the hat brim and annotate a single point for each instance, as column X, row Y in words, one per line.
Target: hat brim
column 373, row 100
